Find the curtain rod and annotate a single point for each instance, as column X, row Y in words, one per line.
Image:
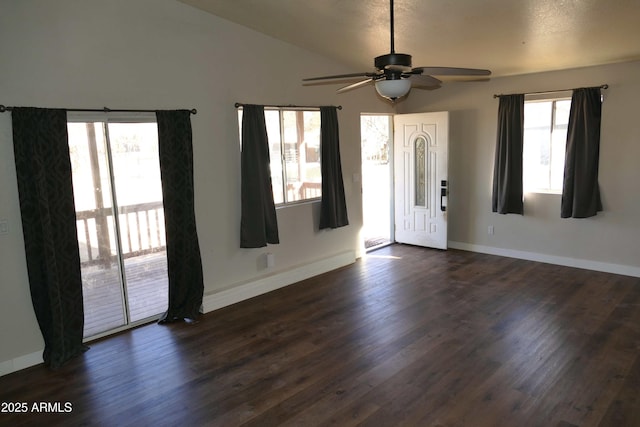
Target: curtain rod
column 239, row 104
column 96, row 110
column 604, row 86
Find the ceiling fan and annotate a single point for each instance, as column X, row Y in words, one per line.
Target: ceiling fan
column 394, row 76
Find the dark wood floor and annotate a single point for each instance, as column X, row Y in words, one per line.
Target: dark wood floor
column 407, row 336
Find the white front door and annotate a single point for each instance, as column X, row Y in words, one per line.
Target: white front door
column 421, row 182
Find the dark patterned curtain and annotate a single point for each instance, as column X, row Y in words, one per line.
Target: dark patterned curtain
column 186, row 284
column 45, row 187
column 333, row 208
column 580, row 191
column 507, row 172
column 259, row 224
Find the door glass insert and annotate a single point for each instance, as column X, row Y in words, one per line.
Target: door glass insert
column 420, row 175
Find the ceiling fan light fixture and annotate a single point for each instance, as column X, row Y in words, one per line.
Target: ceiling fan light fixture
column 393, row 89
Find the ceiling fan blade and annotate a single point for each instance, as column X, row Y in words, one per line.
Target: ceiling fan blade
column 355, row 85
column 424, row 80
column 465, row 79
column 452, row 71
column 341, row 76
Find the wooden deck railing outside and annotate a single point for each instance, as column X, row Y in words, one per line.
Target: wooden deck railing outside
column 141, row 227
column 303, row 190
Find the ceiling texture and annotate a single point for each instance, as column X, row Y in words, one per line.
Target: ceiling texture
column 508, row 37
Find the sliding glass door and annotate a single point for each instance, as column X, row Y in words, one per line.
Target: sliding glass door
column 120, row 221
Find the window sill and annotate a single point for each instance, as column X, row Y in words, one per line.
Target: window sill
column 542, row 191
column 298, row 203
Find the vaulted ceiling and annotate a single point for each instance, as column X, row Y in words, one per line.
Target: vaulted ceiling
column 506, row 36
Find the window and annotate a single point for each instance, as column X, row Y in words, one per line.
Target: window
column 294, row 151
column 545, row 136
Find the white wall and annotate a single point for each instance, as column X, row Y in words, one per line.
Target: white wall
column 161, row 54
column 611, row 240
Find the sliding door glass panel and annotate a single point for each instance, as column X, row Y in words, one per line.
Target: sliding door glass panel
column 138, row 191
column 124, row 266
column 104, row 306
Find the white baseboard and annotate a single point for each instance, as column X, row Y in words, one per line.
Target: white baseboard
column 20, row 363
column 625, row 270
column 266, row 284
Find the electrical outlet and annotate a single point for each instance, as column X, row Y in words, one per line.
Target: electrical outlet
column 490, row 230
column 271, row 260
column 4, row 227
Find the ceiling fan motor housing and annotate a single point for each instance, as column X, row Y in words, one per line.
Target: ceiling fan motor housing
column 393, row 59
